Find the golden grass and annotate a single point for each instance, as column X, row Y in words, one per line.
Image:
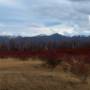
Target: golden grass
column 30, row 75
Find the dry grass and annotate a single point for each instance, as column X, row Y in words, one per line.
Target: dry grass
column 30, row 75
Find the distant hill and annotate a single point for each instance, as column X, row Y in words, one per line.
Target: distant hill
column 43, row 41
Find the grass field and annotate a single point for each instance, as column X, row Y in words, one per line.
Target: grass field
column 16, row 74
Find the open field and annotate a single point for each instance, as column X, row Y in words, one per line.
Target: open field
column 16, row 74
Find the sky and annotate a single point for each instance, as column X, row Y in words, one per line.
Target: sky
column 44, row 17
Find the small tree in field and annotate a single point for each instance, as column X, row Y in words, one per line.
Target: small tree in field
column 52, row 63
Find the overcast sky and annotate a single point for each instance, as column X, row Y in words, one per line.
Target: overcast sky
column 34, row 17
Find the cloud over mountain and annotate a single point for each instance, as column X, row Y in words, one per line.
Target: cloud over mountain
column 18, row 17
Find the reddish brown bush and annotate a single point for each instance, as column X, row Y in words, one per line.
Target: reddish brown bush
column 80, row 68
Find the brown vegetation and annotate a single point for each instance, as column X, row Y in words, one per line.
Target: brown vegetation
column 16, row 74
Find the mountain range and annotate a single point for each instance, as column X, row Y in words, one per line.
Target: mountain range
column 55, row 40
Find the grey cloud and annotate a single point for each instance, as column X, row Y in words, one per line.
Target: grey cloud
column 49, row 13
column 61, row 13
column 79, row 0
column 70, row 12
column 82, row 6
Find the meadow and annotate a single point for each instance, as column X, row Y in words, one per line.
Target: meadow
column 36, row 74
